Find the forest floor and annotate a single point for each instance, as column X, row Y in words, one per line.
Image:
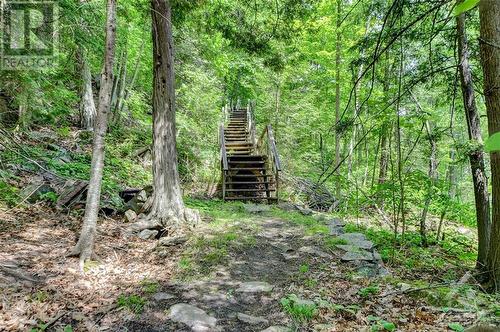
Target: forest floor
column 240, row 271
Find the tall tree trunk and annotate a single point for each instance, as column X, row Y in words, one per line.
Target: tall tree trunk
column 85, row 244
column 168, row 212
column 476, row 157
column 87, row 105
column 433, row 164
column 384, row 153
column 337, row 96
column 489, row 16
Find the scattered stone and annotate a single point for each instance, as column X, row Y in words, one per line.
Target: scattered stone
column 172, row 241
column 288, row 256
column 336, row 230
column 255, row 287
column 304, row 211
column 314, row 251
column 372, row 271
column 336, row 222
column 251, row 319
column 192, row 316
column 130, row 215
column 288, row 207
column 358, row 256
column 162, row 296
column 357, row 239
column 349, row 247
column 148, row 234
column 277, row 328
column 256, row 208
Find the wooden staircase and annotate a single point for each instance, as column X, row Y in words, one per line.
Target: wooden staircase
column 250, row 169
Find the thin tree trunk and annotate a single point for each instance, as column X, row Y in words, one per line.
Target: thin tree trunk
column 122, row 82
column 433, row 163
column 87, row 106
column 168, row 212
column 132, row 81
column 85, row 244
column 476, row 157
column 384, row 154
column 489, row 16
column 337, row 96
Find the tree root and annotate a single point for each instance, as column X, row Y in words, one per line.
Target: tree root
column 168, row 223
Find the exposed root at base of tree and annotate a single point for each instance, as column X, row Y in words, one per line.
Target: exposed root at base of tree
column 167, row 223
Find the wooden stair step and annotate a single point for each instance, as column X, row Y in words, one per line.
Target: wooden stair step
column 249, row 190
column 247, row 169
column 246, row 162
column 247, row 198
column 248, row 176
column 250, row 182
column 252, row 156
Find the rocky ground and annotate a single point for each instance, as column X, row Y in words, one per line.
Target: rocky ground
column 258, row 273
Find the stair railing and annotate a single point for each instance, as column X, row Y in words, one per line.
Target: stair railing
column 224, row 162
column 251, row 122
column 267, row 145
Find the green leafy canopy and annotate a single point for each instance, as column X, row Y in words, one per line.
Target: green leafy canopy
column 464, row 6
column 492, row 144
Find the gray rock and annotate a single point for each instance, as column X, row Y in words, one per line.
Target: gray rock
column 357, row 256
column 192, row 316
column 285, row 206
column 357, row 239
column 314, row 251
column 336, row 222
column 148, row 234
column 255, row 287
column 349, row 247
column 277, row 328
column 251, row 319
column 304, row 211
column 172, row 241
column 162, row 296
column 130, row 215
column 336, row 230
column 256, row 208
column 288, row 256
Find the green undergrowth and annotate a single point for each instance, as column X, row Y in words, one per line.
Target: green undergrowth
column 120, row 168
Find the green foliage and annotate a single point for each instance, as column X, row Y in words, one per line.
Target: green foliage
column 369, row 291
column 149, row 286
column 463, row 6
column 304, row 268
column 134, row 303
column 378, row 324
column 492, row 144
column 299, row 311
column 457, row 327
column 8, row 194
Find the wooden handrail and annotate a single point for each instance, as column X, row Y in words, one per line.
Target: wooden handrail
column 274, row 150
column 272, row 146
column 223, row 152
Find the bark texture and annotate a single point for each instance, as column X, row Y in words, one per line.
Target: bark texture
column 168, row 212
column 337, row 96
column 476, row 157
column 85, row 244
column 87, row 106
column 433, row 165
column 489, row 16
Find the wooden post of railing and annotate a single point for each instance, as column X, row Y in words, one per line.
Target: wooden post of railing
column 224, row 162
